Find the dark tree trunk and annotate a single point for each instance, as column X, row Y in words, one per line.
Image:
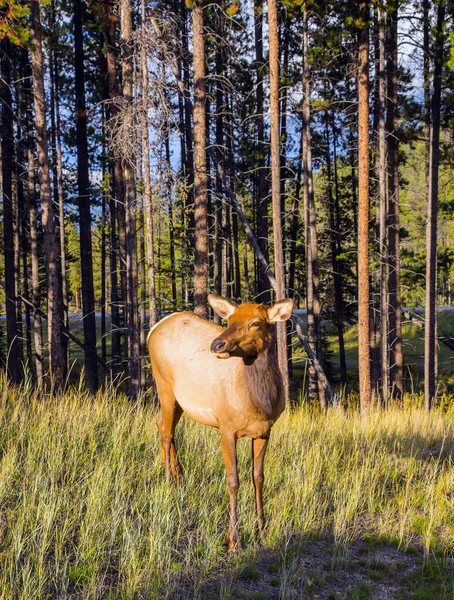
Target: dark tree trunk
column 83, row 185
column 57, row 176
column 430, row 329
column 395, row 304
column 13, row 327
column 383, row 215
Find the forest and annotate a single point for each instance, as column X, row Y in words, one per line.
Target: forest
column 155, row 152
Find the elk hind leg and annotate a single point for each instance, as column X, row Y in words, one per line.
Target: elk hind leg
column 166, row 422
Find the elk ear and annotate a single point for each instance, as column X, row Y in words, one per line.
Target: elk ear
column 222, row 307
column 281, row 311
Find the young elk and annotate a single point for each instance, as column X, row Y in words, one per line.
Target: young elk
column 241, row 396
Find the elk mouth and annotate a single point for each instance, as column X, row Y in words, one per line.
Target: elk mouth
column 222, row 354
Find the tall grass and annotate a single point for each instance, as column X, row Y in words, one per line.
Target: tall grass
column 85, row 512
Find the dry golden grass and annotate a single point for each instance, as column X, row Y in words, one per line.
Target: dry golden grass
column 85, row 512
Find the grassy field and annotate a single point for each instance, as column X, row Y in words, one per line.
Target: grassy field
column 356, row 508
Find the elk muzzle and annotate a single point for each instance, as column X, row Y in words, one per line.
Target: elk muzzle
column 219, row 347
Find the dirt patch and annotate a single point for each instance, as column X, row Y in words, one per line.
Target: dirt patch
column 319, row 570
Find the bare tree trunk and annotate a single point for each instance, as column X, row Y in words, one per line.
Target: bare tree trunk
column 57, row 175
column 220, row 109
column 263, row 290
column 173, row 278
column 200, row 170
column 57, row 358
column 83, row 184
column 13, row 329
column 430, row 329
column 147, row 184
column 395, row 304
column 117, row 211
column 33, row 223
column 383, row 210
column 130, row 213
column 276, row 185
column 312, row 275
column 363, row 216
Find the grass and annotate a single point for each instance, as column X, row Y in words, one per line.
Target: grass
column 85, row 512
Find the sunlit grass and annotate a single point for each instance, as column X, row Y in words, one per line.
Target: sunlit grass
column 85, row 512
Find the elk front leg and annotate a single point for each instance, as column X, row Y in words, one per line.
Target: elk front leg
column 258, row 457
column 228, row 446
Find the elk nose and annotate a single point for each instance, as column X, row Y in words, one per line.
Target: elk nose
column 217, row 345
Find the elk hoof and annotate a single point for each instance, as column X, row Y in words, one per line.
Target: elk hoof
column 233, row 545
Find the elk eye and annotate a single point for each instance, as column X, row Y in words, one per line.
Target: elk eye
column 256, row 324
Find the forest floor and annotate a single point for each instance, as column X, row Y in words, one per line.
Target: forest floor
column 356, row 508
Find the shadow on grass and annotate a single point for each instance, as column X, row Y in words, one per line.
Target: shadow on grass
column 318, row 568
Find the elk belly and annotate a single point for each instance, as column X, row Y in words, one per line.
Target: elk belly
column 201, row 412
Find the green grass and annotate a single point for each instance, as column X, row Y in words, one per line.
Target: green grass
column 85, row 511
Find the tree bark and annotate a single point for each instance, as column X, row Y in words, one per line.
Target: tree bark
column 430, row 329
column 363, row 215
column 57, row 359
column 83, row 185
column 117, row 210
column 147, row 183
column 276, row 185
column 395, row 304
column 200, row 170
column 130, row 212
column 383, row 213
column 13, row 327
column 312, row 274
column 263, row 291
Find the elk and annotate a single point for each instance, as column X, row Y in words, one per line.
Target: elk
column 227, row 379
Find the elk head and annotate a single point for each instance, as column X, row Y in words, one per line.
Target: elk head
column 250, row 327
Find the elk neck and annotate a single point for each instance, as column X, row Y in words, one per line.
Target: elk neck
column 264, row 380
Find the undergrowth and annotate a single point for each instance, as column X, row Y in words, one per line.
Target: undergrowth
column 85, row 512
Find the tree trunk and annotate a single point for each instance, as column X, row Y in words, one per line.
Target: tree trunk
column 57, row 358
column 263, row 289
column 33, row 224
column 363, row 215
column 57, row 175
column 83, row 186
column 220, row 109
column 118, row 204
column 395, row 304
column 147, row 184
column 430, row 329
column 13, row 326
column 312, row 275
column 130, row 212
column 383, row 210
column 276, row 185
column 200, row 171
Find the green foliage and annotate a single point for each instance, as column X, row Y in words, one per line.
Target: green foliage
column 13, row 24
